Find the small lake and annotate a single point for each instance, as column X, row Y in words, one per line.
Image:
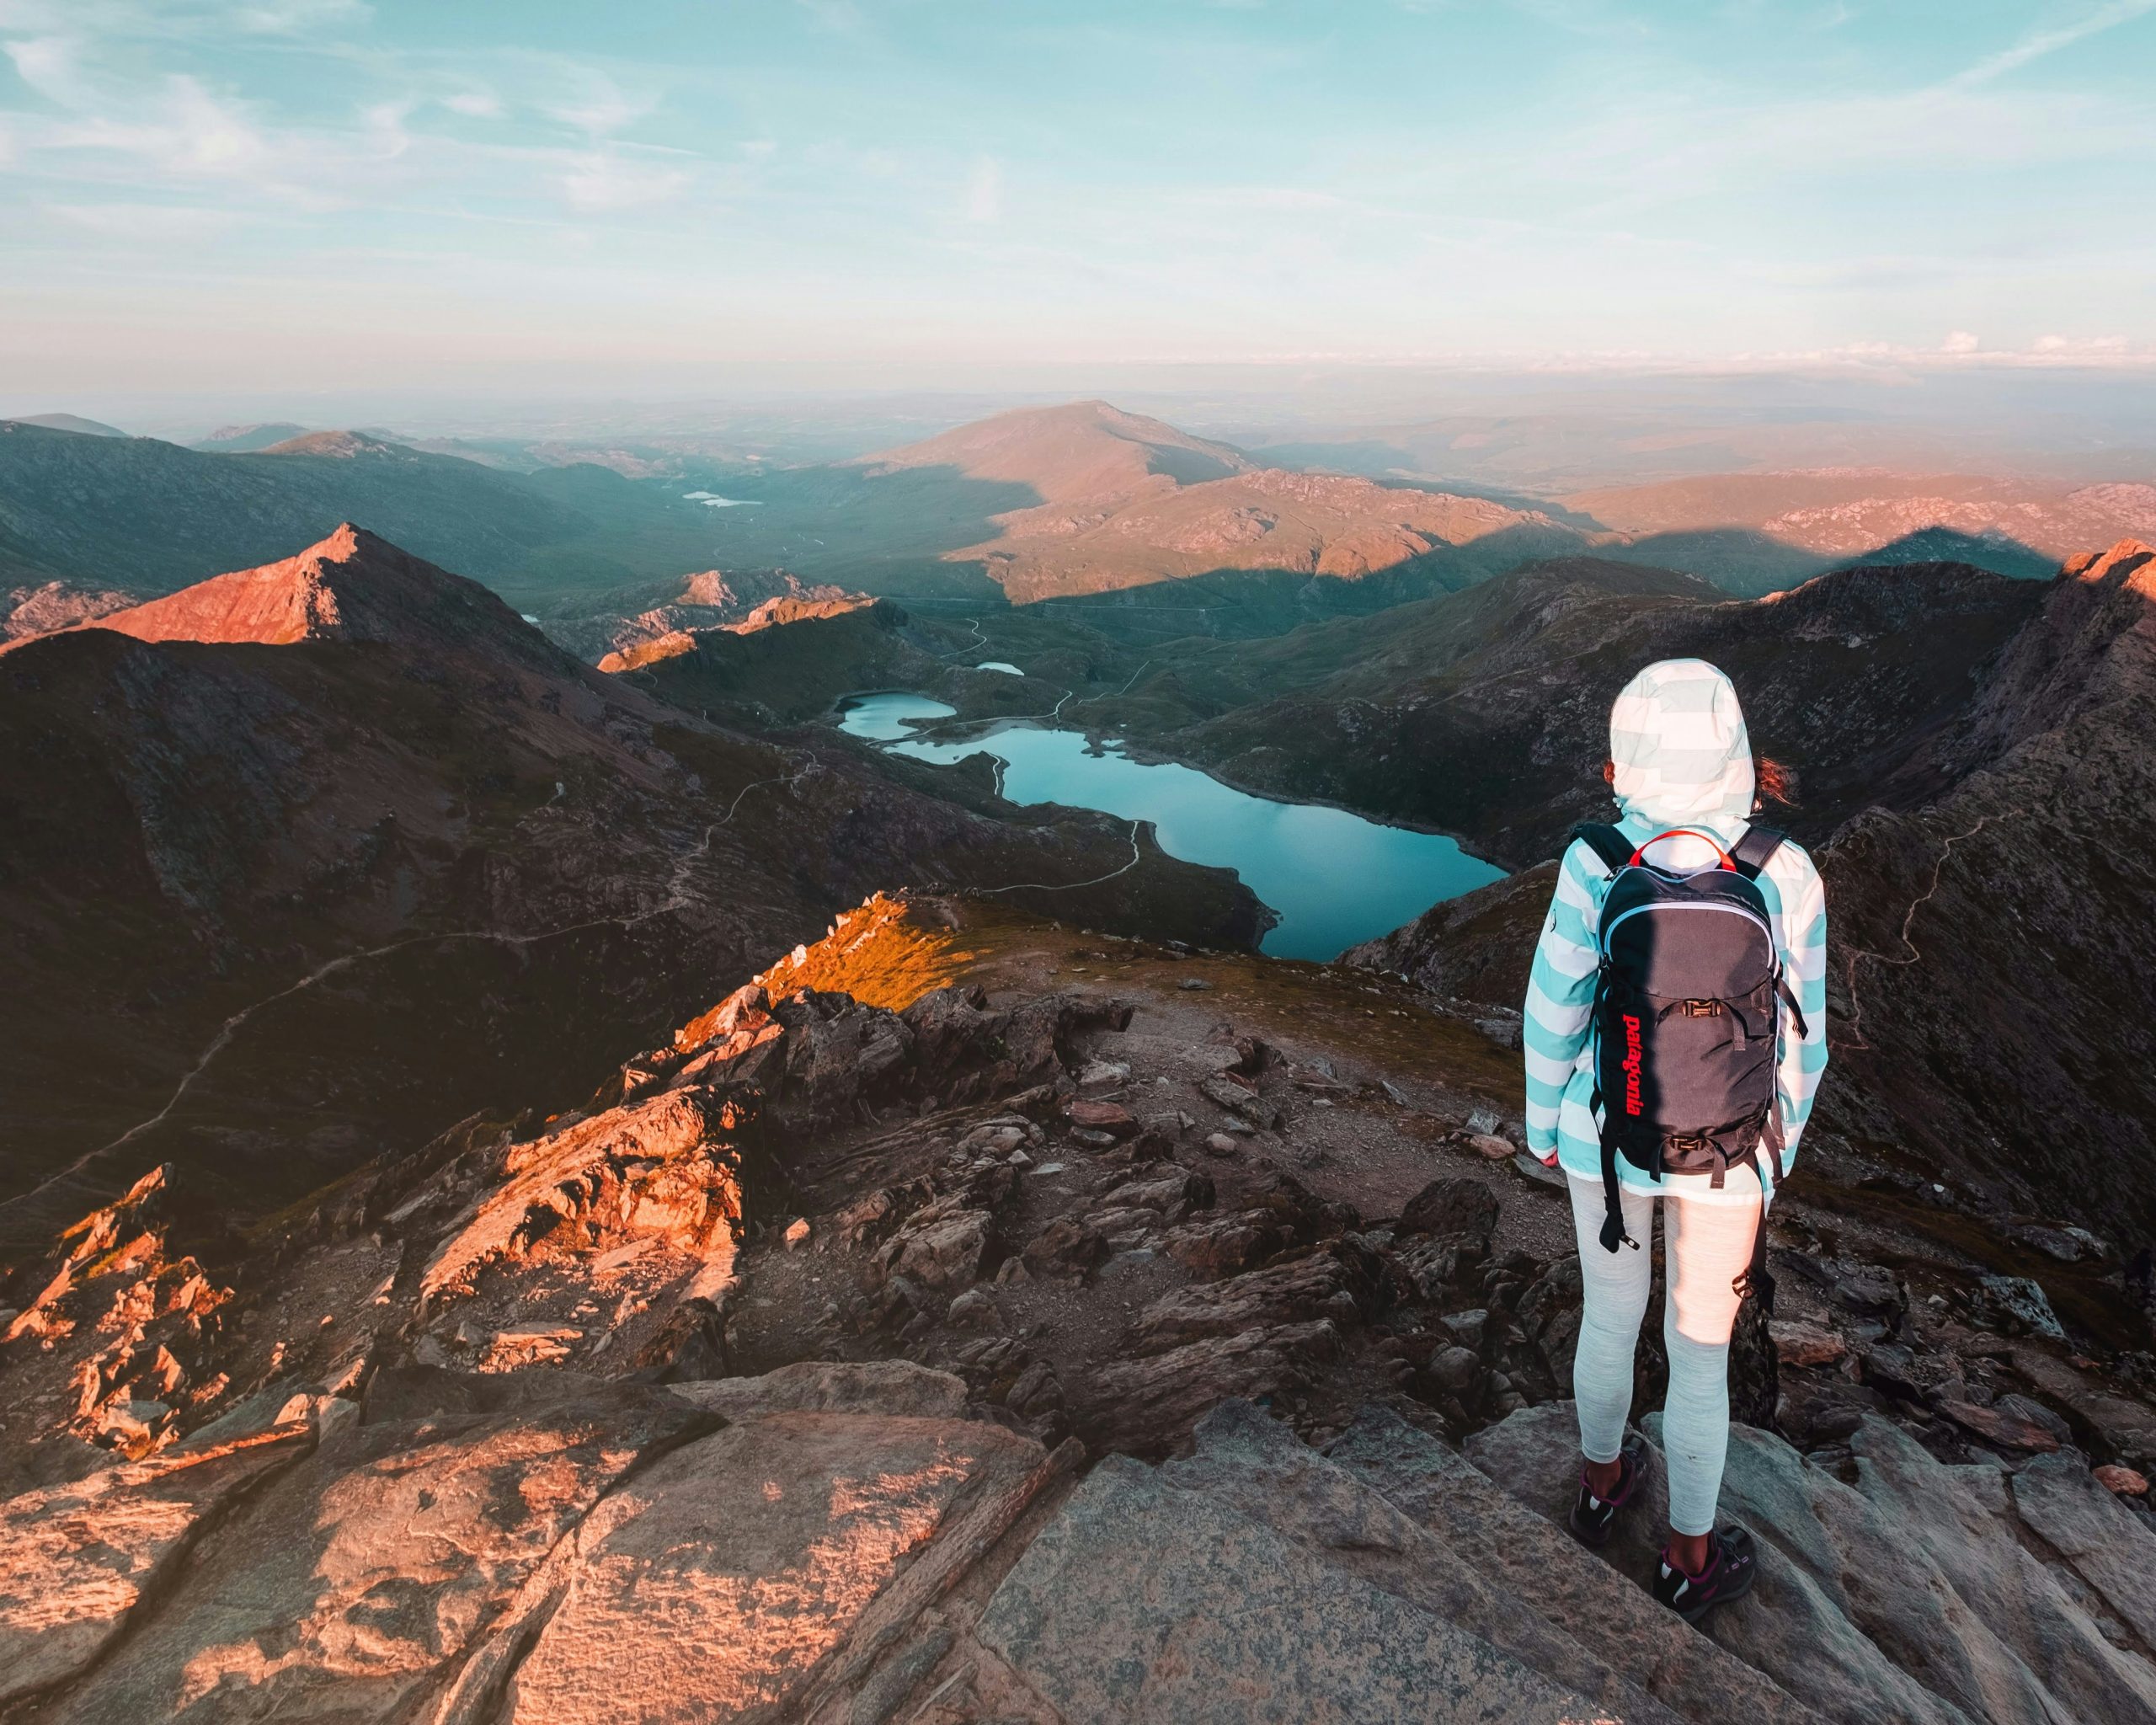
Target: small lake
column 1334, row 878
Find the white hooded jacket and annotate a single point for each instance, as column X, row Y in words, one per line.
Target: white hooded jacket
column 1683, row 759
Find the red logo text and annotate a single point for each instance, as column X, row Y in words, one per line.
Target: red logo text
column 1631, row 1065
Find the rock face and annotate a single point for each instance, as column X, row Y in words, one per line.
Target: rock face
column 1904, row 1585
column 827, row 1365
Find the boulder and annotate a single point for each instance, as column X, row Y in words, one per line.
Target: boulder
column 1337, row 1281
column 1149, row 1605
column 2109, row 1546
column 1909, row 1591
column 346, row 1584
column 722, row 1585
column 1798, row 1343
column 1088, row 1114
column 77, row 1559
column 1457, row 1209
column 944, row 1253
column 1148, row 1404
column 1490, row 1532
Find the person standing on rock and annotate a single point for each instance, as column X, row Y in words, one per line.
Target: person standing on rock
column 1675, row 1035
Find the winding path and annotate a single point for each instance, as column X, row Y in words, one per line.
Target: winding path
column 1857, row 955
column 1065, row 886
column 677, row 897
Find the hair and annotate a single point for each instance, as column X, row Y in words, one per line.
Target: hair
column 1776, row 783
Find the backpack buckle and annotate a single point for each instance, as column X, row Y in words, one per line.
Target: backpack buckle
column 1703, row 1009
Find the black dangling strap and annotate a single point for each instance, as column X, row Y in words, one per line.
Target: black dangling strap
column 1789, row 1000
column 1613, row 1221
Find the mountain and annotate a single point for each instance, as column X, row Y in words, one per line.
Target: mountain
column 151, row 516
column 1756, row 531
column 324, row 854
column 68, row 422
column 352, row 586
column 248, row 439
column 1979, row 797
column 1483, row 714
column 1119, row 501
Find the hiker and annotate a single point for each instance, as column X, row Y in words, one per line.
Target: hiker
column 1673, row 1054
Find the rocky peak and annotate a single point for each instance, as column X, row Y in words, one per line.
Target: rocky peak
column 2125, row 564
column 353, row 585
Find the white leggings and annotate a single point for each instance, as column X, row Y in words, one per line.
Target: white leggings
column 1707, row 1245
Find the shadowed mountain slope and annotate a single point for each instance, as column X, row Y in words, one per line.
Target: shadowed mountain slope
column 1988, row 854
column 1484, row 712
column 151, row 516
column 268, row 905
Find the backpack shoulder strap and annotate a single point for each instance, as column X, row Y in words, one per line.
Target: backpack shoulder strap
column 1610, row 846
column 1754, row 849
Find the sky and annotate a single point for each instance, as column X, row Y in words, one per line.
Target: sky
column 552, row 194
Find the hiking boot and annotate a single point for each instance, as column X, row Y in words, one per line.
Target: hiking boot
column 1593, row 1518
column 1733, row 1565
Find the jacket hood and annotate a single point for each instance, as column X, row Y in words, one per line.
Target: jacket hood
column 1683, row 755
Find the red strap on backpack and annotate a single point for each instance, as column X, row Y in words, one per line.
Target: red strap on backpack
column 1686, row 832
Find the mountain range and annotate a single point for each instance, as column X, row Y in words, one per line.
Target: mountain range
column 341, row 847
column 1137, row 529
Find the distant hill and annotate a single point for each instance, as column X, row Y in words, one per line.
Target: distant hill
column 69, row 422
column 1125, row 501
column 149, row 517
column 244, row 439
column 1755, row 531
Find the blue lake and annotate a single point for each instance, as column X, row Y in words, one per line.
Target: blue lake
column 1334, row 878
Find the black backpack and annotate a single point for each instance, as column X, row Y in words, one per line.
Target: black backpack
column 1687, row 1019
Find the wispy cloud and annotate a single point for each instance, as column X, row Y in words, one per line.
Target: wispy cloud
column 601, row 107
column 2038, row 43
column 608, row 181
column 284, row 18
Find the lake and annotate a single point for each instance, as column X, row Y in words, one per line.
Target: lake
column 1334, row 878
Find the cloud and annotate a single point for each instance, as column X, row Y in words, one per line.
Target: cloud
column 603, row 108
column 1959, row 341
column 148, row 224
column 2038, row 43
column 292, row 18
column 760, row 149
column 606, row 182
column 985, row 190
column 48, row 64
column 476, row 104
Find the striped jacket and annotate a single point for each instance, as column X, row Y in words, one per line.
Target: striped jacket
column 1683, row 759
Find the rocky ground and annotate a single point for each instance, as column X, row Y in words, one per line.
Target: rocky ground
column 973, row 1318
